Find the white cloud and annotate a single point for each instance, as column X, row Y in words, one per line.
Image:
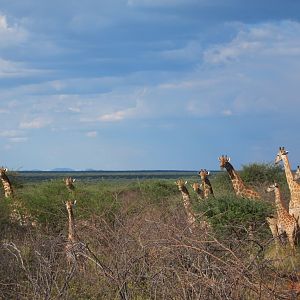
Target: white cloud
column 35, row 123
column 18, row 139
column 227, row 112
column 123, row 114
column 4, row 111
column 192, row 51
column 10, row 133
column 91, row 134
column 280, row 39
column 161, row 2
column 11, row 35
column 10, row 69
column 115, row 116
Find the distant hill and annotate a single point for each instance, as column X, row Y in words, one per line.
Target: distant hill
column 62, row 170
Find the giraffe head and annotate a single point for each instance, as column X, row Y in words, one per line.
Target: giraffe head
column 203, row 173
column 70, row 204
column 181, row 184
column 3, row 171
column 69, row 180
column 224, row 159
column 297, row 174
column 195, row 186
column 280, row 154
column 272, row 187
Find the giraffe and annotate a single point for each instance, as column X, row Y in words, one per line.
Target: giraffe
column 294, row 205
column 19, row 213
column 69, row 184
column 285, row 222
column 239, row 187
column 186, row 203
column 297, row 174
column 74, row 248
column 8, row 191
column 196, row 187
column 206, row 185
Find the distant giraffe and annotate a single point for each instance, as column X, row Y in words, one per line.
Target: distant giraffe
column 206, row 185
column 74, row 248
column 8, row 191
column 69, row 184
column 186, row 203
column 239, row 187
column 19, row 214
column 294, row 205
column 297, row 173
column 285, row 222
column 196, row 187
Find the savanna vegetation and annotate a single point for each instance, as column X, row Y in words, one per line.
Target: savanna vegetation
column 138, row 244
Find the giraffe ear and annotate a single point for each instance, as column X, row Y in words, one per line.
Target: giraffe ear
column 208, row 173
column 74, row 180
column 6, row 170
column 185, row 182
column 228, row 159
column 74, row 203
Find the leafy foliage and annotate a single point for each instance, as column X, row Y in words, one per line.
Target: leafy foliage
column 228, row 212
column 262, row 173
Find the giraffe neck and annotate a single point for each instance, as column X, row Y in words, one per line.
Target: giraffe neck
column 236, row 180
column 185, row 196
column 188, row 207
column 71, row 233
column 288, row 172
column 280, row 208
column 6, row 185
column 207, row 186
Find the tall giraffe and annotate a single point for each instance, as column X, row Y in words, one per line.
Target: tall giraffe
column 8, row 191
column 74, row 248
column 297, row 173
column 239, row 187
column 294, row 205
column 285, row 222
column 69, row 184
column 186, row 203
column 196, row 187
column 206, row 185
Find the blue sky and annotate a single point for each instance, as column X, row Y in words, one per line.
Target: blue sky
column 148, row 84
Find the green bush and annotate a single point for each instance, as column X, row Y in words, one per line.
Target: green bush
column 228, row 213
column 221, row 183
column 262, row 173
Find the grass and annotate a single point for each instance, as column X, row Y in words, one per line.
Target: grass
column 136, row 231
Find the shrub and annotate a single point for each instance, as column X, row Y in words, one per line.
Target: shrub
column 221, row 183
column 227, row 213
column 262, row 173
